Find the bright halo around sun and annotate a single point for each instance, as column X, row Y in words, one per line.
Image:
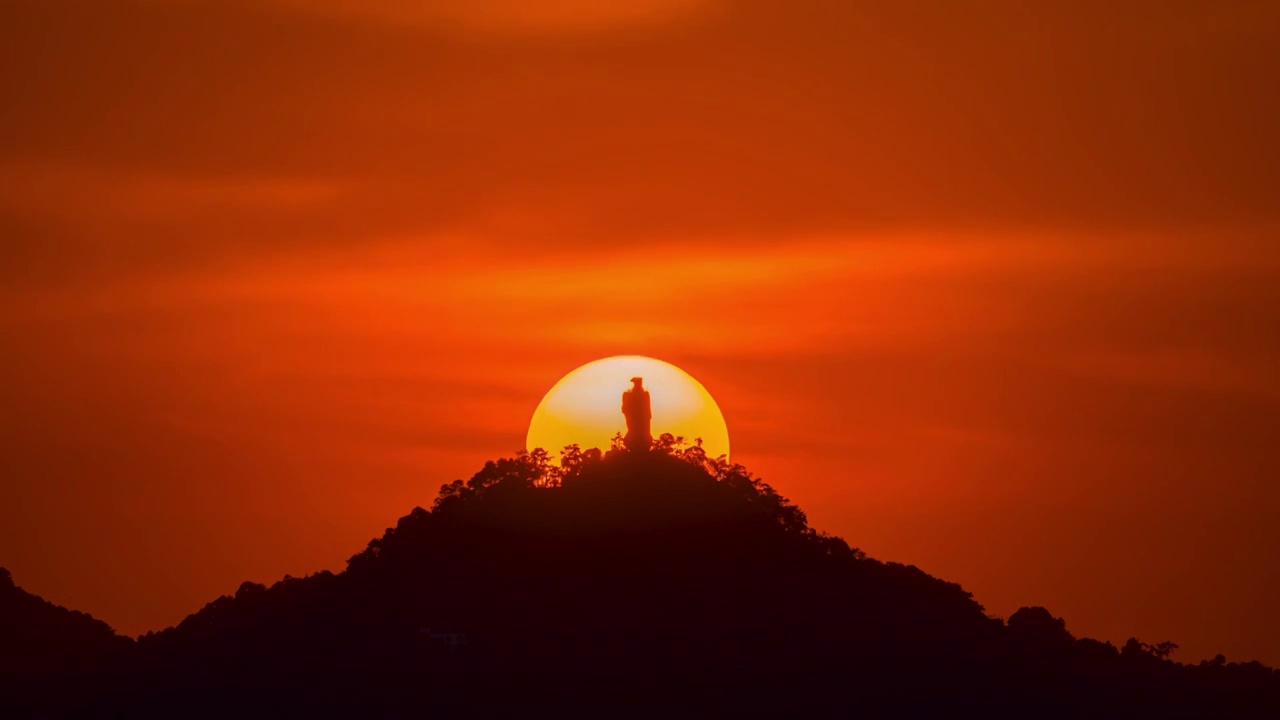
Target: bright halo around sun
column 585, row 407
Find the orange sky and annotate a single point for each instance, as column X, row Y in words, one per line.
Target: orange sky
column 993, row 291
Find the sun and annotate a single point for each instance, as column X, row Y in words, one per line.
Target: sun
column 585, row 407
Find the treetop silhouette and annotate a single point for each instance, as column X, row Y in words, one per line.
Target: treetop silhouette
column 663, row 581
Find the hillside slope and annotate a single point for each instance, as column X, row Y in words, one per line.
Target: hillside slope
column 47, row 650
column 662, row 582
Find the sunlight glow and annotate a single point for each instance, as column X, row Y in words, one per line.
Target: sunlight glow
column 585, row 406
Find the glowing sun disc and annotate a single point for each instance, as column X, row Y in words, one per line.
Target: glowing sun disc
column 585, row 407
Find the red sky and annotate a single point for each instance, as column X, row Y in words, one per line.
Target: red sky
column 993, row 290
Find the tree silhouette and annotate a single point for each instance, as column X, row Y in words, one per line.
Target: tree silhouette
column 660, row 582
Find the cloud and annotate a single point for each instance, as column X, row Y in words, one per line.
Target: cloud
column 98, row 194
column 1196, row 369
column 510, row 17
column 755, row 122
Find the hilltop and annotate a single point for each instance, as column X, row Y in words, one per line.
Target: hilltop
column 641, row 582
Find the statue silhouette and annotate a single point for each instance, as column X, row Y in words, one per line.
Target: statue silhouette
column 635, row 407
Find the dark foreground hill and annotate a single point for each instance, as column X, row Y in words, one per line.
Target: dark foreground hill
column 628, row 584
column 46, row 649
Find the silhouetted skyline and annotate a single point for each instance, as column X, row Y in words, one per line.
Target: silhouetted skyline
column 641, row 582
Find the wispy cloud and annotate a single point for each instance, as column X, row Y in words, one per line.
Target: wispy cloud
column 110, row 195
column 509, row 17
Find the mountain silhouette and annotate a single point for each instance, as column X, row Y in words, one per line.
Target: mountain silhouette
column 614, row 583
column 46, row 649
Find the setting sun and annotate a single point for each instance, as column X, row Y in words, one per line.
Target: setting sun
column 584, row 408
